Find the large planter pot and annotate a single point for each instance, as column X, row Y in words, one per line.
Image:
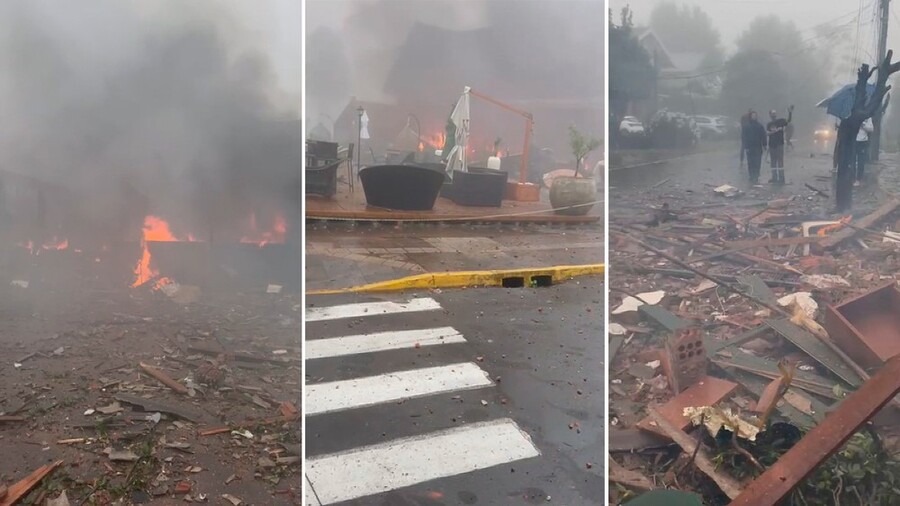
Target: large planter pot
column 401, row 187
column 573, row 191
column 479, row 187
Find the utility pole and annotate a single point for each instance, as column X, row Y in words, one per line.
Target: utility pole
column 884, row 13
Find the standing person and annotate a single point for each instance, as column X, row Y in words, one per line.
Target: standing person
column 789, row 135
column 744, row 120
column 754, row 139
column 862, row 149
column 775, row 129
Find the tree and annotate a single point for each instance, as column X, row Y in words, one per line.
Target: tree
column 753, row 79
column 581, row 146
column 687, row 29
column 631, row 74
column 774, row 67
column 862, row 110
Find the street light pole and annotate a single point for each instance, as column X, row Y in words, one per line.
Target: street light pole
column 359, row 115
column 875, row 144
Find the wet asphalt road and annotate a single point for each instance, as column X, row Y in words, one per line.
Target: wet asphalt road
column 543, row 351
column 717, row 167
column 688, row 182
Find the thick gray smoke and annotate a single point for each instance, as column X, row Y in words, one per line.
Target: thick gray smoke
column 146, row 107
column 412, row 52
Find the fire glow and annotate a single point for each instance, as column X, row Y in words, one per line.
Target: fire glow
column 53, row 244
column 275, row 235
column 157, row 230
column 435, row 140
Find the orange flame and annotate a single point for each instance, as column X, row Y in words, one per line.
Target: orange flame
column 56, row 244
column 435, row 140
column 53, row 244
column 829, row 228
column 155, row 229
column 274, row 235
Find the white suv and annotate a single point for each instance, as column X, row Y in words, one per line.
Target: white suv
column 711, row 126
column 631, row 125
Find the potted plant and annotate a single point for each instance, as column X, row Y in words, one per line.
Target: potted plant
column 574, row 195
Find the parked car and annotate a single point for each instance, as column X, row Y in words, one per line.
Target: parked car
column 631, row 125
column 672, row 130
column 711, row 127
column 730, row 126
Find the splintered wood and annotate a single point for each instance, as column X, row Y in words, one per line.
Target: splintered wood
column 701, row 457
column 164, row 378
column 24, row 486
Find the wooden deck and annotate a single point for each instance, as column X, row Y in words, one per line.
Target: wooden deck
column 352, row 206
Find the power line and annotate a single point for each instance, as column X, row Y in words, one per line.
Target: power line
column 856, row 43
column 721, row 68
column 708, row 71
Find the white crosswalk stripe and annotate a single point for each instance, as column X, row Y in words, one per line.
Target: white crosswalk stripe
column 405, row 461
column 396, row 386
column 381, row 341
column 315, row 314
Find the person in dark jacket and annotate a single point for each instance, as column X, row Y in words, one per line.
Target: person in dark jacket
column 776, row 129
column 754, row 140
column 744, row 120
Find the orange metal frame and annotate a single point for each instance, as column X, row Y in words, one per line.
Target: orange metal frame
column 529, row 130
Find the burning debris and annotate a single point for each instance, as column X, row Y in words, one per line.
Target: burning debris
column 150, row 156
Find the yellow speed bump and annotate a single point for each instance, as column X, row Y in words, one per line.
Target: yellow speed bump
column 513, row 278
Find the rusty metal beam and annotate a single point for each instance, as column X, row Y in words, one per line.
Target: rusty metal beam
column 825, row 439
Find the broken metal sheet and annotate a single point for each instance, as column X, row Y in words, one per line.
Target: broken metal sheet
column 758, row 288
column 777, row 482
column 816, row 349
column 634, row 440
column 806, row 380
column 713, row 345
column 664, row 318
column 614, row 345
column 667, row 497
column 867, row 327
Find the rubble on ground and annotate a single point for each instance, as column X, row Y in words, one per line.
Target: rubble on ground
column 146, row 399
column 763, row 316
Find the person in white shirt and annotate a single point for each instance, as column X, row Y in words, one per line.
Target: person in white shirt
column 862, row 149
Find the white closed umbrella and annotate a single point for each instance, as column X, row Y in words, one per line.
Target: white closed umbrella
column 364, row 125
column 460, row 118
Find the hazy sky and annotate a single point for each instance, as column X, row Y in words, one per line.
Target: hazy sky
column 278, row 23
column 732, row 16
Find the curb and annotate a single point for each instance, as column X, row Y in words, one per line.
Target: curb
column 511, row 278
